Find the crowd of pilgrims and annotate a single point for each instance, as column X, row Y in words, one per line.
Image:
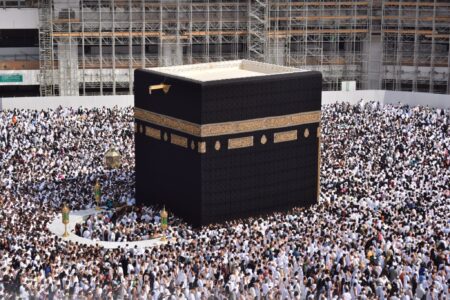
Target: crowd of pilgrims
column 380, row 230
column 123, row 224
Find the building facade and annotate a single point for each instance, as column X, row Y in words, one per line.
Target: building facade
column 91, row 47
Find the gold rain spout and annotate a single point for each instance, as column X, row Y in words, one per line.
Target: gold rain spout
column 162, row 86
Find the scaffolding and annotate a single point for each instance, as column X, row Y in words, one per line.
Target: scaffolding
column 325, row 36
column 93, row 46
column 416, row 55
column 45, row 49
column 257, row 29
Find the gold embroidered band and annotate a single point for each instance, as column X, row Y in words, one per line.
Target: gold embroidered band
column 153, row 133
column 227, row 128
column 178, row 140
column 168, row 122
column 285, row 136
column 242, row 142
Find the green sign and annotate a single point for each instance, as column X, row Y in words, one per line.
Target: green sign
column 11, row 78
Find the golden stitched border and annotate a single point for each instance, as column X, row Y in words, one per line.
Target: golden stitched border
column 168, row 122
column 178, row 140
column 153, row 133
column 226, row 128
column 285, row 136
column 241, row 142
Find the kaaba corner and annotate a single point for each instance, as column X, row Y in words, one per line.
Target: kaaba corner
column 227, row 140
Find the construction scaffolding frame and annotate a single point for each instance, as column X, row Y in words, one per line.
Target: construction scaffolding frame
column 46, row 58
column 93, row 46
column 325, row 36
column 416, row 46
column 258, row 14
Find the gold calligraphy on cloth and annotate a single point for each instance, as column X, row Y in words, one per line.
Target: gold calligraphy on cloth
column 227, row 128
column 241, row 142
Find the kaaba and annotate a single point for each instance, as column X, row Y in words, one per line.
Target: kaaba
column 227, row 140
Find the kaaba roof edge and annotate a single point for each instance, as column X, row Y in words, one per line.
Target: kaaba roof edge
column 220, row 71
